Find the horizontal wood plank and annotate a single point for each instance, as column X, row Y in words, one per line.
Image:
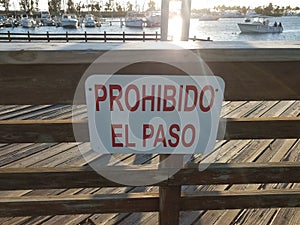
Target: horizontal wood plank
column 239, row 173
column 52, row 76
column 50, row 131
column 241, row 200
column 78, row 204
column 262, row 128
column 144, row 202
column 244, row 173
column 39, row 131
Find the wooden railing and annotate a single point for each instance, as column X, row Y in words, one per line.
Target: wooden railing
column 249, row 72
column 85, row 36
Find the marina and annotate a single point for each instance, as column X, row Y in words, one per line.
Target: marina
column 220, row 30
column 262, row 137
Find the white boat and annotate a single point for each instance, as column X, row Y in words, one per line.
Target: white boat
column 69, row 21
column 28, row 22
column 9, row 22
column 90, row 21
column 134, row 19
column 209, row 17
column 153, row 18
column 232, row 14
column 45, row 15
column 260, row 25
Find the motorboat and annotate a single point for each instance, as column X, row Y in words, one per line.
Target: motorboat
column 10, row 22
column 90, row 21
column 28, row 22
column 45, row 15
column 49, row 22
column 153, row 18
column 69, row 21
column 134, row 19
column 209, row 17
column 232, row 14
column 100, row 21
column 46, row 19
column 260, row 25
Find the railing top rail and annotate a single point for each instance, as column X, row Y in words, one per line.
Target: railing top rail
column 209, row 51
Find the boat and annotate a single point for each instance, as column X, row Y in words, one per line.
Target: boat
column 45, row 15
column 260, row 25
column 69, row 21
column 28, row 22
column 46, row 20
column 49, row 22
column 134, row 19
column 153, row 18
column 101, row 21
column 231, row 14
column 90, row 21
column 10, row 22
column 209, row 17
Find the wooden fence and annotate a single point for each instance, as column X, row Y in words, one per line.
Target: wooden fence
column 86, row 37
column 250, row 73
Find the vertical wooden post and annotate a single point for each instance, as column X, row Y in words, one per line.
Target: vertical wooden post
column 143, row 36
column 169, row 200
column 186, row 16
column 48, row 36
column 156, row 36
column 104, row 36
column 123, row 36
column 85, row 36
column 8, row 34
column 28, row 34
column 164, row 19
column 67, row 38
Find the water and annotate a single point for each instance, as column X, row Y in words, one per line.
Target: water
column 228, row 30
column 220, row 30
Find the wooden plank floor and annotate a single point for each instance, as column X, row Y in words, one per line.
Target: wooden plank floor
column 67, row 154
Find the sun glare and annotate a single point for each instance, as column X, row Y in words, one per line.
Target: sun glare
column 175, row 27
column 175, row 21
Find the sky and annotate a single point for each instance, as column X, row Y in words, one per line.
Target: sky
column 195, row 3
column 251, row 3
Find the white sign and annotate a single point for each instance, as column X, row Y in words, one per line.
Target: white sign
column 148, row 114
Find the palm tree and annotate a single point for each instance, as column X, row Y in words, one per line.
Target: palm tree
column 5, row 5
column 54, row 6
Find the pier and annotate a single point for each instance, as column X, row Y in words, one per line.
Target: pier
column 254, row 172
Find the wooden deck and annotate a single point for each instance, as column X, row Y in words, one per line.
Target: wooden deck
column 67, row 154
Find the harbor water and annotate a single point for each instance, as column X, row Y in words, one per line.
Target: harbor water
column 224, row 29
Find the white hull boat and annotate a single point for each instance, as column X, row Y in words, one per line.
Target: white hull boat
column 69, row 21
column 134, row 20
column 209, row 17
column 90, row 21
column 153, row 19
column 27, row 22
column 260, row 26
column 134, row 23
